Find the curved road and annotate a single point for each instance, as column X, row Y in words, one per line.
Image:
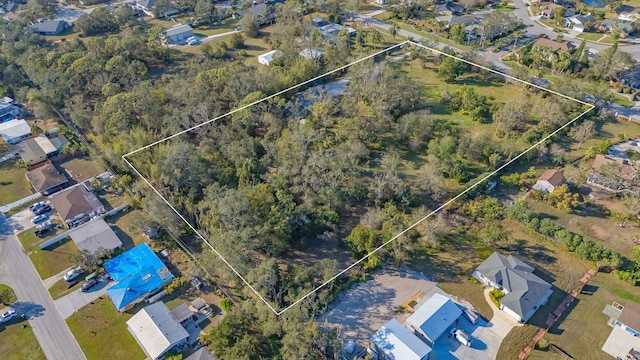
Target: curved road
column 17, row 271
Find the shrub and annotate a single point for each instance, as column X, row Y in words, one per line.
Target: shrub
column 226, row 304
column 495, row 295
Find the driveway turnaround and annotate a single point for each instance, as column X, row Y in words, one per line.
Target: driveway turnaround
column 34, row 301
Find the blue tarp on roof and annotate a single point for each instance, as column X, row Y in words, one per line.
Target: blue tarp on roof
column 138, row 272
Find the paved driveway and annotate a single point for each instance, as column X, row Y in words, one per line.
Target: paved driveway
column 363, row 309
column 22, row 221
column 17, row 271
column 73, row 302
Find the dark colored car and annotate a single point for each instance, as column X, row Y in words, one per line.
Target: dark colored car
column 42, row 210
column 88, row 285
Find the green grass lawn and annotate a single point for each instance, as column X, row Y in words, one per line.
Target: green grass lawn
column 13, row 184
column 515, row 341
column 17, row 342
column 225, row 25
column 13, row 297
column 589, row 36
column 102, row 332
column 61, row 288
column 428, row 35
column 52, row 260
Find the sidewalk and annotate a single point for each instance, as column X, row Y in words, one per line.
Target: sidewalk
column 15, row 204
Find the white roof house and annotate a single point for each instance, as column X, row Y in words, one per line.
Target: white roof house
column 14, row 130
column 396, row 342
column 46, row 145
column 94, row 235
column 434, row 317
column 156, row 331
column 267, row 58
column 312, row 54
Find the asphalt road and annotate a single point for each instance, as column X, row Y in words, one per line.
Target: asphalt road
column 17, row 271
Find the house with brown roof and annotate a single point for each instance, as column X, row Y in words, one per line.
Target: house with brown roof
column 47, row 179
column 554, row 45
column 624, row 340
column 75, row 203
column 549, row 180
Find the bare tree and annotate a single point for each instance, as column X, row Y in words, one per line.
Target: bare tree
column 583, row 132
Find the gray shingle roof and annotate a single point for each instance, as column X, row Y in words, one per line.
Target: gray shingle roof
column 49, row 26
column 179, row 30
column 524, row 288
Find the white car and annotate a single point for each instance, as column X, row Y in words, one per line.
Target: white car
column 72, row 274
column 7, row 315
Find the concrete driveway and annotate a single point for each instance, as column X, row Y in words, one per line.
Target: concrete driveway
column 69, row 304
column 22, row 221
column 363, row 309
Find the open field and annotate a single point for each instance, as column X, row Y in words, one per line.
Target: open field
column 17, row 342
column 13, row 184
column 102, row 332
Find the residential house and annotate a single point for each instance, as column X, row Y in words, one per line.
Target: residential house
column 434, row 317
column 11, row 7
column 139, row 273
column 449, row 20
column 36, row 150
column 50, row 27
column 581, row 23
column 156, row 331
column 46, row 179
column 624, row 340
column 201, row 354
column 630, row 77
column 629, row 16
column 549, row 181
column 8, row 110
column 312, row 54
column 622, row 27
column 76, row 203
column 94, row 235
column 318, row 21
column 30, row 152
column 267, row 58
column 264, row 13
column 524, row 291
column 145, row 5
column 449, row 8
column 554, row 45
column 395, row 342
column 331, row 31
column 179, row 34
column 602, row 169
column 14, row 131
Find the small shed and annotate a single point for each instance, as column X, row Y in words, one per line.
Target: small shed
column 267, row 58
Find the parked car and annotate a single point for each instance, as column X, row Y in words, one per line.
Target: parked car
column 37, row 205
column 72, row 274
column 471, row 315
column 7, row 315
column 88, row 284
column 39, row 218
column 42, row 210
column 193, row 40
column 461, row 336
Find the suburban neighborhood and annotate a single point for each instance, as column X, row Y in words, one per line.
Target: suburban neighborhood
column 343, row 179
